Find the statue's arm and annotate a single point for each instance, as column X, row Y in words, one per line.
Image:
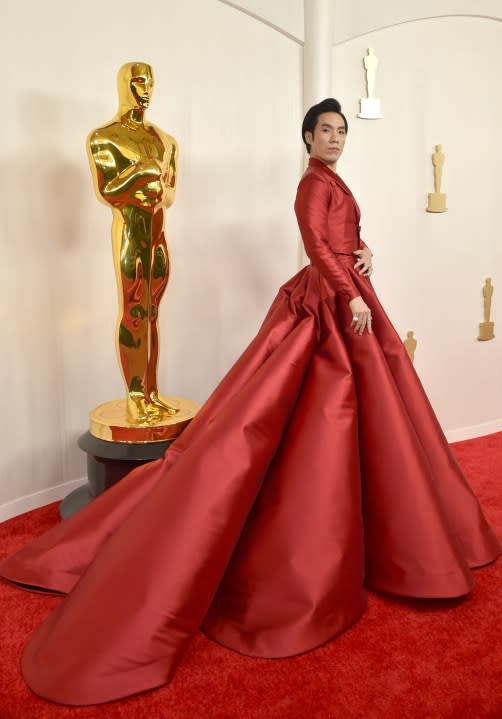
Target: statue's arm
column 112, row 182
column 171, row 166
column 131, row 178
column 172, row 172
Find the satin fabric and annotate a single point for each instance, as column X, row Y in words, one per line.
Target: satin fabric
column 316, row 469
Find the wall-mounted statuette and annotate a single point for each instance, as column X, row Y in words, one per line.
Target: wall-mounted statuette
column 437, row 199
column 486, row 327
column 370, row 106
column 410, row 344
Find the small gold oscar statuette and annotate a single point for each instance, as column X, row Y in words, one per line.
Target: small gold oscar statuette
column 134, row 167
column 437, row 199
column 410, row 344
column 370, row 106
column 486, row 327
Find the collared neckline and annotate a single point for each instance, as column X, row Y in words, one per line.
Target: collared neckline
column 314, row 162
column 333, row 176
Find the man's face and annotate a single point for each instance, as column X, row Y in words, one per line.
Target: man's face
column 328, row 139
column 142, row 85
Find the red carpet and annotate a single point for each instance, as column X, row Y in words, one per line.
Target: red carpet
column 403, row 660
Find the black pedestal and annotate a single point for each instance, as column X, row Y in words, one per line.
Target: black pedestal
column 107, row 464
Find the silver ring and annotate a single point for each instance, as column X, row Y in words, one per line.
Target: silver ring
column 355, row 318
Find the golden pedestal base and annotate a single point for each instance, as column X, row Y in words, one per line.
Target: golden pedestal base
column 108, row 421
column 486, row 331
column 437, row 202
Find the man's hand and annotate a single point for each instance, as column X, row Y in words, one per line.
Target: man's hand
column 363, row 261
column 361, row 315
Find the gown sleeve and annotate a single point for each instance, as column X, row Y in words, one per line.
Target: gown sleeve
column 311, row 207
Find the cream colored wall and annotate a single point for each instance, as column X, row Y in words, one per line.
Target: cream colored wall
column 229, row 89
column 438, row 81
column 358, row 17
column 285, row 16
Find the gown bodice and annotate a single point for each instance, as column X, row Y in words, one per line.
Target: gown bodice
column 328, row 216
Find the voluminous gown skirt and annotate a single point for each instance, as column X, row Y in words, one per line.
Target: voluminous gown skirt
column 317, row 468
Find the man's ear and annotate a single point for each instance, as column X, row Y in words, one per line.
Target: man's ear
column 309, row 137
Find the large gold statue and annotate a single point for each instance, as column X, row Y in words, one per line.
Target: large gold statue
column 134, row 169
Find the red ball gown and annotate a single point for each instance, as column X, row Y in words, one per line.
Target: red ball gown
column 315, row 470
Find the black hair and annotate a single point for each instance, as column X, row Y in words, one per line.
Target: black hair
column 310, row 120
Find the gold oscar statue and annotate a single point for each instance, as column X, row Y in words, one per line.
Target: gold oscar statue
column 486, row 327
column 437, row 199
column 410, row 344
column 134, row 164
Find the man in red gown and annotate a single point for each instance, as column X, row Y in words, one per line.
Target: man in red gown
column 316, row 469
